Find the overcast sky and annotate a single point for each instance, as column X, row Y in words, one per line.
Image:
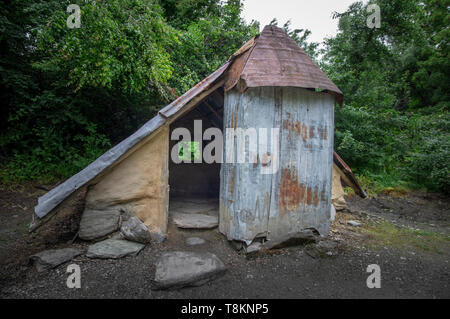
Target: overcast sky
column 314, row 15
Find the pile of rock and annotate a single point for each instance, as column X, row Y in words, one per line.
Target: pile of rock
column 118, row 234
column 128, row 236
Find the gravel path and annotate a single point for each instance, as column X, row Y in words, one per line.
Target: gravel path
column 406, row 272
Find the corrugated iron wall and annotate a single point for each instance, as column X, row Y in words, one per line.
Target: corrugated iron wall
column 298, row 195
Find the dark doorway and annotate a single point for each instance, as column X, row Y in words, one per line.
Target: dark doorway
column 196, row 180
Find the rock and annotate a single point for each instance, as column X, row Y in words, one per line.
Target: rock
column 236, row 244
column 332, row 213
column 253, row 248
column 113, row 248
column 135, row 230
column 193, row 241
column 298, row 238
column 157, row 237
column 126, row 214
column 117, row 235
column 189, row 207
column 322, row 248
column 354, row 223
column 180, row 269
column 195, row 221
column 54, row 257
column 98, row 223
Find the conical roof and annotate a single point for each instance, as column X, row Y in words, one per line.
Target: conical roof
column 275, row 59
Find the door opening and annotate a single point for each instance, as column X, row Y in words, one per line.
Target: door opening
column 194, row 187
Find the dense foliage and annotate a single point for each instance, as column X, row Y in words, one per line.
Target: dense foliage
column 69, row 94
column 394, row 125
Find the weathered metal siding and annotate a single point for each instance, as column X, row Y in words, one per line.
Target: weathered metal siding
column 298, row 195
column 245, row 192
column 301, row 189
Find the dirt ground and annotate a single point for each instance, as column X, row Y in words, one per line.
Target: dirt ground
column 406, row 235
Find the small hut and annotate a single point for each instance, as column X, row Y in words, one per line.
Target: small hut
column 268, row 84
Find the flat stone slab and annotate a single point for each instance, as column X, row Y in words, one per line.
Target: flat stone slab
column 98, row 223
column 51, row 258
column 193, row 241
column 253, row 248
column 354, row 223
column 292, row 239
column 195, row 221
column 135, row 230
column 113, row 248
column 179, row 269
column 188, row 207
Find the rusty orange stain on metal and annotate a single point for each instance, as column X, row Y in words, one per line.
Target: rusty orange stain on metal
column 297, row 127
column 311, row 131
column 289, row 190
column 293, row 193
column 266, row 158
column 308, row 196
column 304, row 132
column 302, row 193
column 303, row 129
column 323, row 132
column 316, row 196
column 232, row 184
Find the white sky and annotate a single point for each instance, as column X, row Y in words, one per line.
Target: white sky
column 314, row 15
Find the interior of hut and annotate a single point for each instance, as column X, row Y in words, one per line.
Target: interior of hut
column 194, row 186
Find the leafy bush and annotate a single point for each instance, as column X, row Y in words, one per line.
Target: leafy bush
column 395, row 149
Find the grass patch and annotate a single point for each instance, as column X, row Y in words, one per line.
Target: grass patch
column 387, row 234
column 384, row 183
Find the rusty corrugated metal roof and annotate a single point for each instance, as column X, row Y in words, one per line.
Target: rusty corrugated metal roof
column 275, row 59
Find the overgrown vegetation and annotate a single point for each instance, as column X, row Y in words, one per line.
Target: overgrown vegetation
column 393, row 127
column 70, row 94
column 384, row 234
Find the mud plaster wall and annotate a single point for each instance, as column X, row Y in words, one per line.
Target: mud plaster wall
column 193, row 179
column 337, row 191
column 138, row 184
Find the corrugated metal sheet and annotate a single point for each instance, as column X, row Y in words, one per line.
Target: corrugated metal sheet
column 298, row 196
column 276, row 60
column 245, row 192
column 301, row 189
